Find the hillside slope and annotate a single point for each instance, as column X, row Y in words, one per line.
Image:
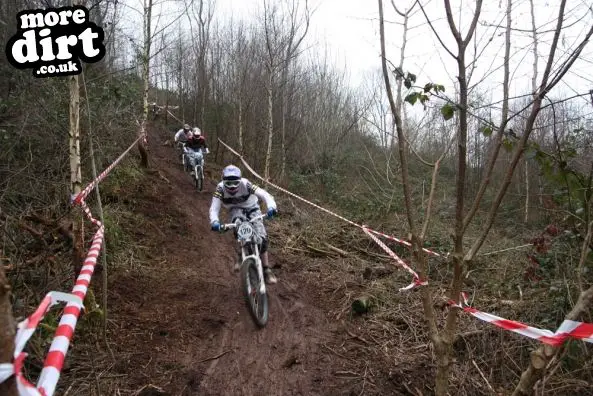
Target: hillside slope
column 180, row 323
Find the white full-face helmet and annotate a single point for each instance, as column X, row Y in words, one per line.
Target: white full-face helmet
column 231, row 178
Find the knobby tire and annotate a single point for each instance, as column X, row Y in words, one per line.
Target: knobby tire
column 199, row 178
column 259, row 313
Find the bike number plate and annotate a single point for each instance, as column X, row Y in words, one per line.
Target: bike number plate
column 245, row 231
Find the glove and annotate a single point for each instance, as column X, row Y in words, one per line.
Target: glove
column 207, row 151
column 272, row 212
column 216, row 226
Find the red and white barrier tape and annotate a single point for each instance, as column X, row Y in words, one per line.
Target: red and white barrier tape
column 58, row 349
column 568, row 328
column 61, row 342
column 26, row 328
column 400, row 241
column 417, row 281
column 83, row 194
column 406, row 243
column 368, row 231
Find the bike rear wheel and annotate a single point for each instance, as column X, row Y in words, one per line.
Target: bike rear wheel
column 256, row 301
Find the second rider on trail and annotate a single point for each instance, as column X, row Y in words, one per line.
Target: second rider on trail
column 195, row 146
column 241, row 198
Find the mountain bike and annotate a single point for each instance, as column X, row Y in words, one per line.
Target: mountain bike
column 252, row 273
column 195, row 161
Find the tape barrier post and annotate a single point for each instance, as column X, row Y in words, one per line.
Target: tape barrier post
column 568, row 328
column 54, row 360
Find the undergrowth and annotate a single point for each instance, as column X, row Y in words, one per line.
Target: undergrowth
column 391, row 340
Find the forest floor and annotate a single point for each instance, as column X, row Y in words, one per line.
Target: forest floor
column 178, row 324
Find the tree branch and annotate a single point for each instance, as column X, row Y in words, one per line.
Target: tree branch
column 435, row 33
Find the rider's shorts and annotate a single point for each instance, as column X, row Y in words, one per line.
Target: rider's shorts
column 195, row 157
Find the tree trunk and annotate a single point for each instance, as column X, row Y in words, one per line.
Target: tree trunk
column 75, row 174
column 283, row 129
column 7, row 333
column 270, row 123
column 166, row 99
column 180, row 79
column 203, row 98
column 526, row 217
column 542, row 355
column 284, row 98
column 194, row 112
column 443, row 346
column 534, row 90
column 146, row 79
column 241, row 125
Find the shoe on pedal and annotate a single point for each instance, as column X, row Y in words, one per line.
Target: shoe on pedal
column 269, row 277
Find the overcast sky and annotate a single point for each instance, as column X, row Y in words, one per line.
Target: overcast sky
column 349, row 30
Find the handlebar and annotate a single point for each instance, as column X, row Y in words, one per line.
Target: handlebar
column 229, row 226
column 204, row 150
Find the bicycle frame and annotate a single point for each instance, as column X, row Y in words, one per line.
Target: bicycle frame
column 260, row 269
column 190, row 152
column 254, row 249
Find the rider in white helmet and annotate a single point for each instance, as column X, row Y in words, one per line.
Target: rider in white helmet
column 241, row 198
column 183, row 134
column 196, row 141
column 195, row 147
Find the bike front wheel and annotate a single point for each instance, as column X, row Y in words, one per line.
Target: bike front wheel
column 199, row 178
column 256, row 302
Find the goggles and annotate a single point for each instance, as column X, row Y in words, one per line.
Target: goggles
column 231, row 184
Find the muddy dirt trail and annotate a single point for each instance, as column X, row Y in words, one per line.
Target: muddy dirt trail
column 182, row 324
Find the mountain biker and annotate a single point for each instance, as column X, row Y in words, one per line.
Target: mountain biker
column 182, row 134
column 195, row 147
column 241, row 198
column 197, row 141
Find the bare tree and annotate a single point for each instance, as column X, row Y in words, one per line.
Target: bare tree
column 293, row 41
column 147, row 21
column 75, row 172
column 533, row 90
column 442, row 339
column 272, row 61
column 282, row 47
column 243, row 50
column 202, row 17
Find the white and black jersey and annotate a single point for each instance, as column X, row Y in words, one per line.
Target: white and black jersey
column 247, row 197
